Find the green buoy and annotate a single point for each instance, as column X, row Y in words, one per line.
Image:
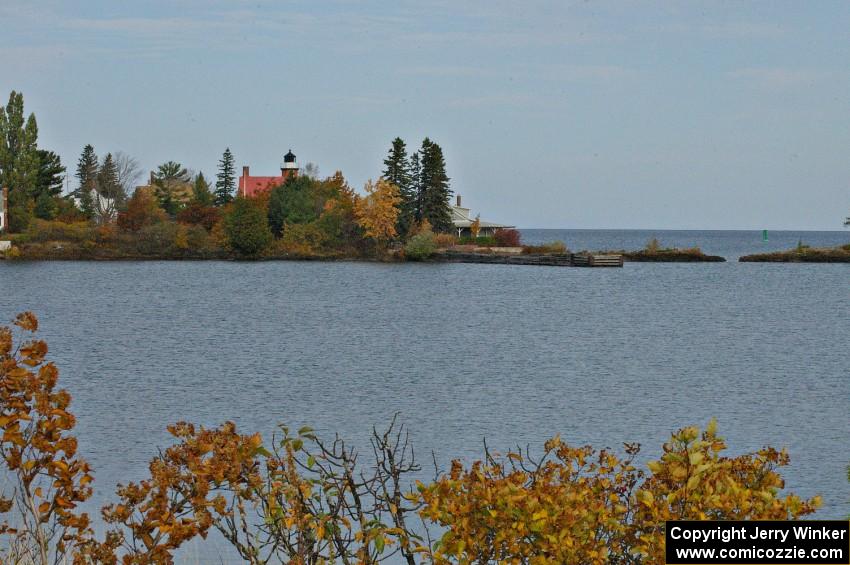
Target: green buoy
column 764, row 235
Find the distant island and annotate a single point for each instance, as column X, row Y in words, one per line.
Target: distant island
column 802, row 254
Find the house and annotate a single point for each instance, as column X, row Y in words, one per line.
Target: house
column 463, row 220
column 4, row 207
column 250, row 186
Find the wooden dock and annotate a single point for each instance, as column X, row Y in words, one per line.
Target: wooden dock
column 562, row 260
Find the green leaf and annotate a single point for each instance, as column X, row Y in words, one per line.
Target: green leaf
column 305, row 430
column 379, row 544
column 311, row 461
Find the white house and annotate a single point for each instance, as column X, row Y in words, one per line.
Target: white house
column 462, row 219
column 4, row 207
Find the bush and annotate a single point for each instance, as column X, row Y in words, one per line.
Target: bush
column 553, row 248
column 445, row 240
column 507, row 237
column 196, row 214
column 420, row 247
column 155, row 239
column 481, row 241
column 42, row 230
column 247, row 228
column 142, row 210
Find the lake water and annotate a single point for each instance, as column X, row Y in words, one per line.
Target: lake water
column 513, row 353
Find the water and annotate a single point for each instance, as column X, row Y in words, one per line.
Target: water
column 727, row 243
column 513, row 353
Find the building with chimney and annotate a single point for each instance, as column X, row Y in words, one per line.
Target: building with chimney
column 463, row 220
column 250, row 186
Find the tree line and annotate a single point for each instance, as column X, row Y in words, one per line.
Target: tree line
column 304, row 215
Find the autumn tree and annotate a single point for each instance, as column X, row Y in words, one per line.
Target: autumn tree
column 377, row 212
column 142, row 211
column 225, row 182
column 128, row 172
column 475, row 227
column 46, row 480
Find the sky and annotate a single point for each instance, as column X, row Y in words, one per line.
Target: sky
column 590, row 114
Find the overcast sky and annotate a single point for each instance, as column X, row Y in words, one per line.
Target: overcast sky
column 689, row 115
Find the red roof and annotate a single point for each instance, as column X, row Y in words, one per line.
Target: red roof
column 251, row 186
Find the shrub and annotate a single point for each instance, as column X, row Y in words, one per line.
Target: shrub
column 142, row 210
column 481, row 241
column 155, row 239
column 445, row 240
column 507, row 237
column 302, row 239
column 420, row 247
column 46, row 207
column 553, row 248
column 247, row 228
column 652, row 246
column 196, row 214
column 42, row 230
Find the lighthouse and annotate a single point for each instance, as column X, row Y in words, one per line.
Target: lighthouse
column 289, row 167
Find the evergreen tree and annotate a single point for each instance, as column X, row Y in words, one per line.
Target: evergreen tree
column 246, row 228
column 107, row 180
column 46, row 207
column 50, row 174
column 225, row 182
column 291, row 203
column 87, row 168
column 201, row 194
column 397, row 171
column 19, row 161
column 416, row 185
column 168, row 178
column 434, row 192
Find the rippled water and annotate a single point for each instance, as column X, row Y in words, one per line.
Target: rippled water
column 513, row 353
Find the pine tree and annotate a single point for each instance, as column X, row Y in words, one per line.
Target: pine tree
column 169, row 178
column 87, row 168
column 225, row 179
column 107, row 179
column 201, row 194
column 416, row 185
column 435, row 193
column 50, row 174
column 397, row 171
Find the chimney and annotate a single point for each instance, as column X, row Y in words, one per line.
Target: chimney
column 458, row 201
column 245, row 171
column 153, row 178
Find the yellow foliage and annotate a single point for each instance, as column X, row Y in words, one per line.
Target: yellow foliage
column 377, row 212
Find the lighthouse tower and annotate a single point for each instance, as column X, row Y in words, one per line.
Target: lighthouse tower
column 289, row 167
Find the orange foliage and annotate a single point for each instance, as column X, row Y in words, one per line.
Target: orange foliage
column 377, row 212
column 142, row 211
column 47, row 479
